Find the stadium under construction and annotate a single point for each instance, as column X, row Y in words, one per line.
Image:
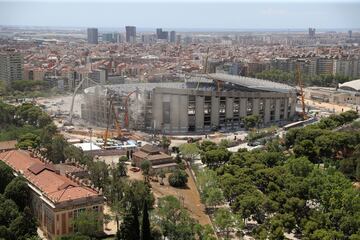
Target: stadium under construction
column 199, row 104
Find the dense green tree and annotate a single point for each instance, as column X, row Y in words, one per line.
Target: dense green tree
column 300, row 167
column 227, row 222
column 214, row 197
column 174, row 220
column 57, row 149
column 178, row 178
column 28, row 140
column 306, row 148
column 120, row 170
column 7, row 114
column 207, row 145
column 251, row 121
column 24, row 226
column 215, row 158
column 130, row 228
column 134, row 193
column 165, row 143
column 6, row 176
column 189, row 151
column 88, row 223
column 9, row 211
column 145, row 224
column 99, row 174
column 145, row 168
column 18, row 191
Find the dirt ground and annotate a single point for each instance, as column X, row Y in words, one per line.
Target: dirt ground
column 327, row 106
column 188, row 196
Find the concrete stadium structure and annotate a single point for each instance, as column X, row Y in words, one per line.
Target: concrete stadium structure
column 200, row 104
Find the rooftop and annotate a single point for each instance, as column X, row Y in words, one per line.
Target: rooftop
column 8, row 145
column 253, row 83
column 45, row 178
column 206, row 84
column 352, row 85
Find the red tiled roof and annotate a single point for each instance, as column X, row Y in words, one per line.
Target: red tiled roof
column 8, row 145
column 54, row 186
column 37, row 168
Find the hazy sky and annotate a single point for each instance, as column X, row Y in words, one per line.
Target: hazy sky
column 183, row 14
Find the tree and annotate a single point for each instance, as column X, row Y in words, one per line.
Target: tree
column 145, row 226
column 165, row 143
column 18, row 191
column 300, row 167
column 9, row 211
column 28, row 140
column 306, row 148
column 145, row 167
column 189, row 151
column 226, row 221
column 130, row 229
column 357, row 173
column 6, row 176
column 214, row 158
column 162, row 176
column 251, row 121
column 174, row 220
column 214, row 197
column 134, row 193
column 24, row 226
column 57, row 149
column 88, row 223
column 178, row 178
column 207, row 145
column 99, row 174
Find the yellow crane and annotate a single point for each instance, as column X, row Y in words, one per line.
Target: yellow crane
column 111, row 109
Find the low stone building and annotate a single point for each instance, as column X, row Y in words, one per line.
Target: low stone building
column 159, row 160
column 55, row 199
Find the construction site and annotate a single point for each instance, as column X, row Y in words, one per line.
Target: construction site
column 200, row 104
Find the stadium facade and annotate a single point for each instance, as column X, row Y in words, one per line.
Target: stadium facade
column 200, row 104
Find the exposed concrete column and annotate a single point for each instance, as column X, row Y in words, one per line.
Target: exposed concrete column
column 267, row 111
column 255, row 110
column 157, row 111
column 243, row 106
column 286, row 104
column 229, row 107
column 183, row 113
column 277, row 109
column 174, row 111
column 199, row 113
column 229, row 111
column 292, row 105
column 215, row 102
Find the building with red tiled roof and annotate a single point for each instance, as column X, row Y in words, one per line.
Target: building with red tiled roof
column 7, row 145
column 158, row 159
column 55, row 199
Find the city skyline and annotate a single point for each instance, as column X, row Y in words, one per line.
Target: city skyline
column 183, row 15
